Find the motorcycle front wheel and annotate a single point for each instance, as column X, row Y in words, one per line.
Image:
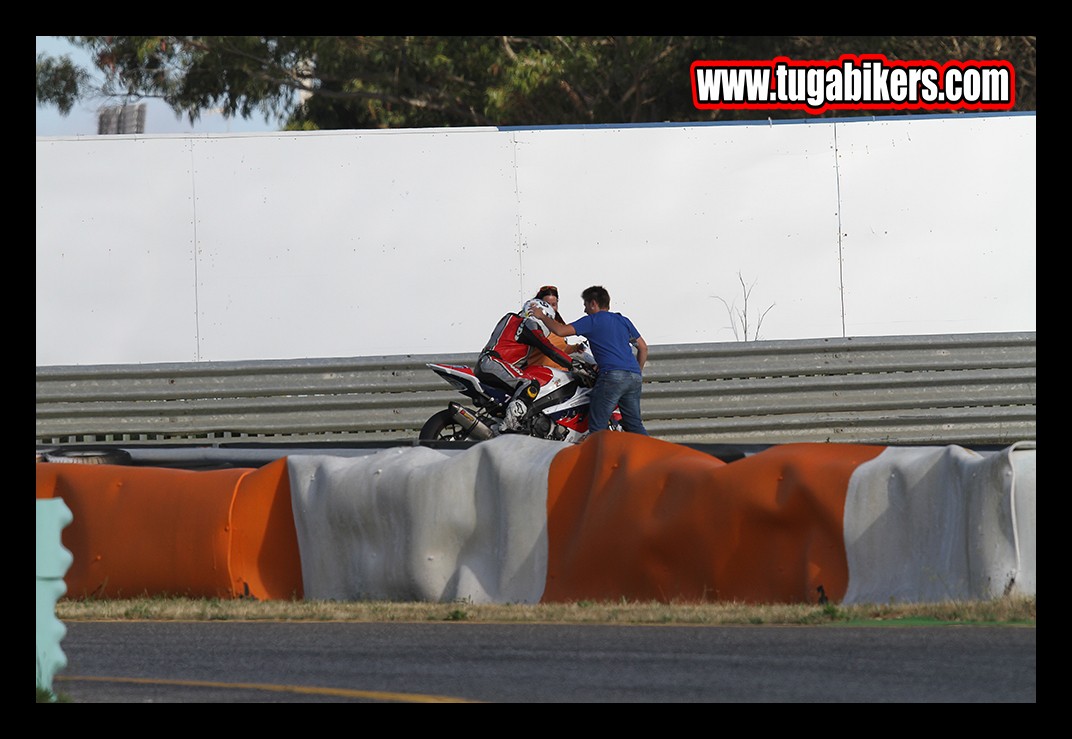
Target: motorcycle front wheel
column 443, row 427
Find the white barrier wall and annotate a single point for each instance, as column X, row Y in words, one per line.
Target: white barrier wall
column 361, row 243
column 933, row 524
column 921, row 525
column 417, row 524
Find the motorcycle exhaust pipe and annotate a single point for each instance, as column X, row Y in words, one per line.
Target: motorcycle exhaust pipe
column 474, row 427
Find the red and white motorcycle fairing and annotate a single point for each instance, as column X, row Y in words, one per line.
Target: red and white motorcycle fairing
column 559, row 412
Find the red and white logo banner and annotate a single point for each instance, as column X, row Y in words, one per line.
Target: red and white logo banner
column 853, row 82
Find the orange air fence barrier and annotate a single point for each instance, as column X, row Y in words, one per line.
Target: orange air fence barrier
column 140, row 531
column 633, row 517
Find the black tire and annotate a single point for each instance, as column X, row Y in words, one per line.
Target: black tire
column 89, row 455
column 443, row 427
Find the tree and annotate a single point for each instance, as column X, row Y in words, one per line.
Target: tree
column 740, row 318
column 333, row 82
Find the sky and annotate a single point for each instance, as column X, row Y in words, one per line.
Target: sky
column 159, row 118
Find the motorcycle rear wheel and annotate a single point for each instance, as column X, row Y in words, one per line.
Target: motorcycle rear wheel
column 443, row 427
column 88, row 455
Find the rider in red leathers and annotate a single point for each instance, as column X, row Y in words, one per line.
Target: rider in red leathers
column 503, row 362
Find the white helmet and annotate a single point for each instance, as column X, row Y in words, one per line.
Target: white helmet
column 536, row 310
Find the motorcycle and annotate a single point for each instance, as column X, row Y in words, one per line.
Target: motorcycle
column 559, row 412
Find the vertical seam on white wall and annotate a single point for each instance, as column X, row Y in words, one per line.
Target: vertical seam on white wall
column 517, row 219
column 197, row 286
column 840, row 245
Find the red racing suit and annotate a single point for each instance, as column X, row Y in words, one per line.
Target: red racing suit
column 502, row 362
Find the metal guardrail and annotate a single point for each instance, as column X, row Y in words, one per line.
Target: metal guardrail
column 970, row 389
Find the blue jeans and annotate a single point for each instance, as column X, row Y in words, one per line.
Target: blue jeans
column 616, row 388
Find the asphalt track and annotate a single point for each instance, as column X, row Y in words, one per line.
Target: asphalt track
column 457, row 662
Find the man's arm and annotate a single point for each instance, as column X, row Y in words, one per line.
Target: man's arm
column 558, row 329
column 534, row 336
column 641, row 351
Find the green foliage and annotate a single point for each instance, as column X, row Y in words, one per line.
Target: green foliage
column 355, row 82
column 1013, row 611
column 60, row 82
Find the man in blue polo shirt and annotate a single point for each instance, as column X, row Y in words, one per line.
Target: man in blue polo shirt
column 612, row 337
